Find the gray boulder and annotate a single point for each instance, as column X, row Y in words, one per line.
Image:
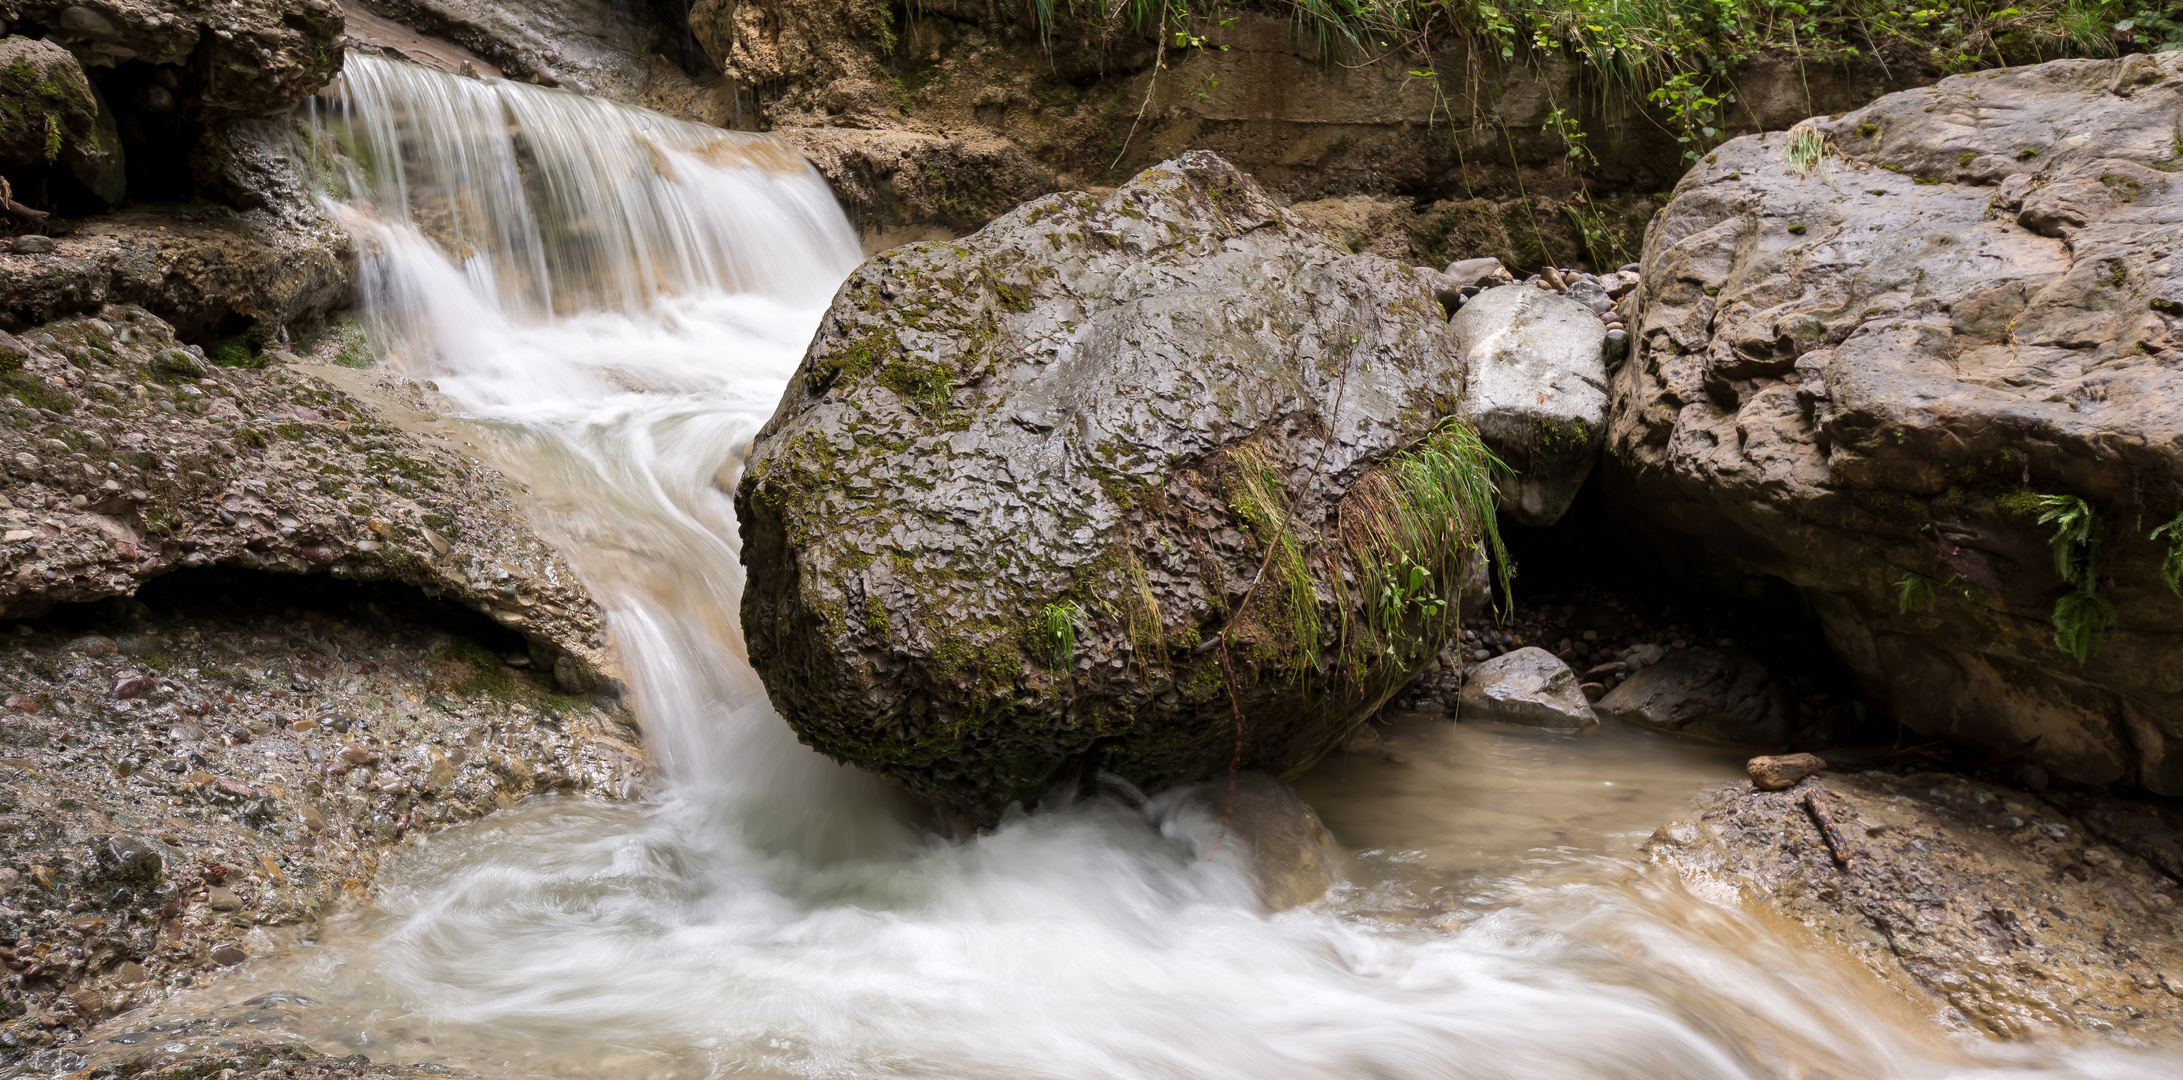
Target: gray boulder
column 1866, row 382
column 1722, row 695
column 252, row 57
column 1537, row 392
column 1115, row 483
column 1531, row 687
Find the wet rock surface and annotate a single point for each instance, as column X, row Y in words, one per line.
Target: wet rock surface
column 129, row 456
column 1724, row 695
column 253, row 265
column 52, row 113
column 246, row 57
column 634, row 53
column 1023, row 483
column 1992, row 905
column 210, row 1048
column 1528, row 687
column 1288, row 853
column 1873, row 377
column 1536, row 390
column 196, row 774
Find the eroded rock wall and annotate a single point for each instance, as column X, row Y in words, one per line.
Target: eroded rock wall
column 1871, row 375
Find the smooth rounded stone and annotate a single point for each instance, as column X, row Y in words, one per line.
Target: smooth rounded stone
column 221, row 898
column 1777, row 772
column 229, row 955
column 1723, row 695
column 1590, row 293
column 1530, row 687
column 1291, row 853
column 1022, row 478
column 92, row 645
column 33, row 245
column 1535, row 387
column 1994, row 321
column 1486, row 272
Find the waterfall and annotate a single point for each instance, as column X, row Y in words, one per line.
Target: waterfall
column 617, row 299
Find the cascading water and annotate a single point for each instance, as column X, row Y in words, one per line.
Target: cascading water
column 618, row 298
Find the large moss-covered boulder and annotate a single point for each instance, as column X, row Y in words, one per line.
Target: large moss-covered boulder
column 1148, row 484
column 1923, row 363
column 50, row 116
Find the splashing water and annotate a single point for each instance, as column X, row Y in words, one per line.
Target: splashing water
column 619, row 298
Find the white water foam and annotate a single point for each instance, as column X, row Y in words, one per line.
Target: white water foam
column 620, row 298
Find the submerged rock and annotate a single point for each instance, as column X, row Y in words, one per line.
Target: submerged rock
column 1531, row 687
column 1291, row 854
column 1875, row 352
column 1109, row 481
column 1537, row 392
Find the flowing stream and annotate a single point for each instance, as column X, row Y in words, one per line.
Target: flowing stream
column 617, row 298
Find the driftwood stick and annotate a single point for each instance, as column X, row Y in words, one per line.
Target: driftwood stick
column 1838, row 846
column 8, row 203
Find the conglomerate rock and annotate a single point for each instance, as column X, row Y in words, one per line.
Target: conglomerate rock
column 265, row 259
column 1870, row 372
column 1992, row 904
column 1098, row 486
column 128, row 457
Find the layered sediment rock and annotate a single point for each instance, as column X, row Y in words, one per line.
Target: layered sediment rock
column 1885, row 357
column 129, row 456
column 1106, row 483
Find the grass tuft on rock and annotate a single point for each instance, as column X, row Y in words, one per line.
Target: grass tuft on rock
column 1412, row 528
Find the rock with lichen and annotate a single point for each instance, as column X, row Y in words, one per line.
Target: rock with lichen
column 1147, row 484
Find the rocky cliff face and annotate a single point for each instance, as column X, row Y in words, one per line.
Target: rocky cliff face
column 1920, row 362
column 916, row 112
column 1114, row 485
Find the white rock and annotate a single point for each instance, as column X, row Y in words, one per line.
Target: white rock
column 1530, row 687
column 1535, row 386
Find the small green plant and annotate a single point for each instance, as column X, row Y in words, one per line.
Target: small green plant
column 1056, row 633
column 1806, row 149
column 236, row 352
column 2171, row 562
column 2081, row 616
column 1916, row 592
column 1256, row 498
